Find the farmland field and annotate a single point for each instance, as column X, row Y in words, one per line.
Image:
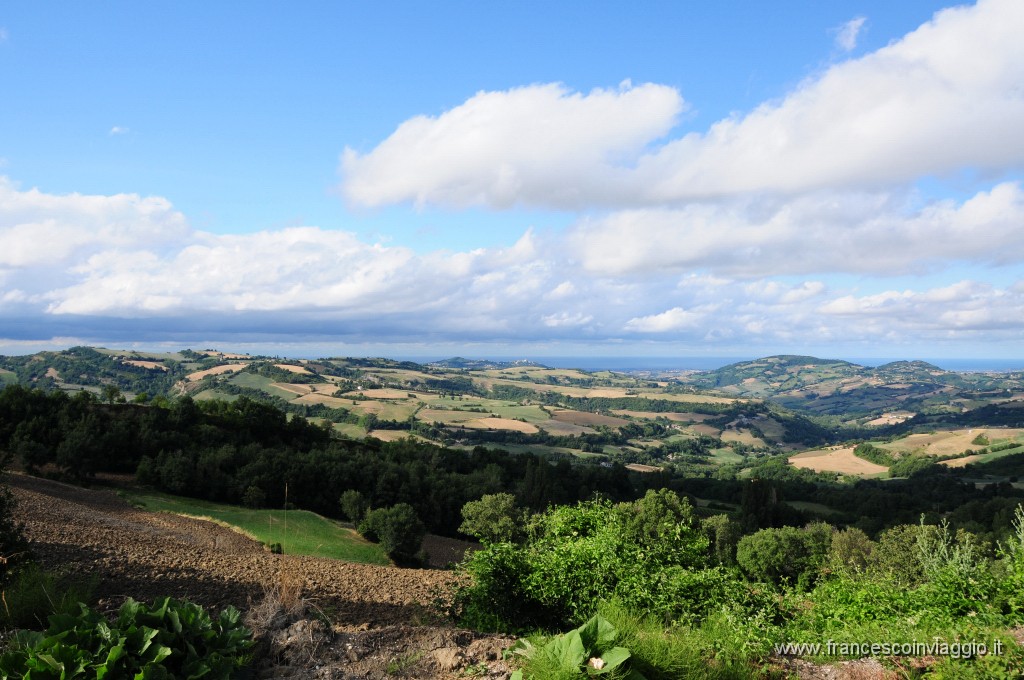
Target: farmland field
column 216, row 370
column 836, row 460
column 586, row 419
column 950, row 442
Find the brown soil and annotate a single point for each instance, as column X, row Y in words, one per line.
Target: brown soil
column 379, row 615
column 216, row 370
column 836, row 460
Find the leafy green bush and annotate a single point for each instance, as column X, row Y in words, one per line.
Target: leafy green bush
column 1012, row 553
column 169, row 639
column 493, row 519
column 785, row 555
column 398, row 530
column 958, row 580
column 652, row 554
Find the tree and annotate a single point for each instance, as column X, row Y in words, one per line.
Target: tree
column 724, row 535
column 254, row 497
column 111, row 393
column 851, row 549
column 784, row 555
column 494, row 518
column 353, row 505
column 398, row 530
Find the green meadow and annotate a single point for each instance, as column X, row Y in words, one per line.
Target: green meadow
column 299, row 532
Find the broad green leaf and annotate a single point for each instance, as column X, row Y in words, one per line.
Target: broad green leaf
column 569, row 650
column 613, row 658
column 598, row 634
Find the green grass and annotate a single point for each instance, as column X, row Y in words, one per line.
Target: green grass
column 307, row 532
column 261, row 383
column 7, row 376
column 350, row 430
column 726, row 456
column 207, row 395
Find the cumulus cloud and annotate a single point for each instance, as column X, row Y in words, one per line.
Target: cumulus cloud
column 944, row 97
column 49, row 230
column 847, row 34
column 670, row 320
column 132, row 265
column 526, row 145
column 880, row 233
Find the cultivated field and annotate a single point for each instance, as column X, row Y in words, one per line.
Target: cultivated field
column 836, row 460
column 216, row 370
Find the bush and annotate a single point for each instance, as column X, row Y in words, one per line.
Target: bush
column 398, row 530
column 493, row 519
column 651, row 554
column 353, row 505
column 1012, row 553
column 785, row 555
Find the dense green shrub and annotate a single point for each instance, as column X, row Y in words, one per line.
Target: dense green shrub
column 651, row 554
column 494, row 518
column 785, row 555
column 398, row 530
column 168, row 639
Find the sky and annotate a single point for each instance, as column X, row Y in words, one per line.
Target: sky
column 514, row 179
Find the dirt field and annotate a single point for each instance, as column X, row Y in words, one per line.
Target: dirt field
column 891, row 418
column 333, row 402
column 960, row 462
column 501, row 424
column 673, row 417
column 151, row 365
column 378, row 613
column 291, row 368
column 743, row 436
column 381, row 393
column 216, row 370
column 836, row 460
column 586, row 419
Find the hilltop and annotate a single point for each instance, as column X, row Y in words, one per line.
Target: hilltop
column 897, row 390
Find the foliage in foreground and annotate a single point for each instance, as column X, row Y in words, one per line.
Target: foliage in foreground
column 168, row 639
column 33, row 594
column 619, row 644
column 915, row 584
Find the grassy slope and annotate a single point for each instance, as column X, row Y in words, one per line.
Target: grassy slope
column 307, row 533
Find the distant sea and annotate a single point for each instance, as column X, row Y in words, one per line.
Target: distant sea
column 708, row 363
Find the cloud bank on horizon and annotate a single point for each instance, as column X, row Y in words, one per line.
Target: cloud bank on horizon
column 806, row 222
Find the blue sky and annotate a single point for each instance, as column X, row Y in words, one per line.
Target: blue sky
column 720, row 179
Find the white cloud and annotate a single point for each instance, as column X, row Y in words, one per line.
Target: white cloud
column 39, row 229
column 135, row 259
column 877, row 233
column 847, row 34
column 963, row 307
column 3, row 34
column 670, row 320
column 945, row 97
column 529, row 144
column 118, row 130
